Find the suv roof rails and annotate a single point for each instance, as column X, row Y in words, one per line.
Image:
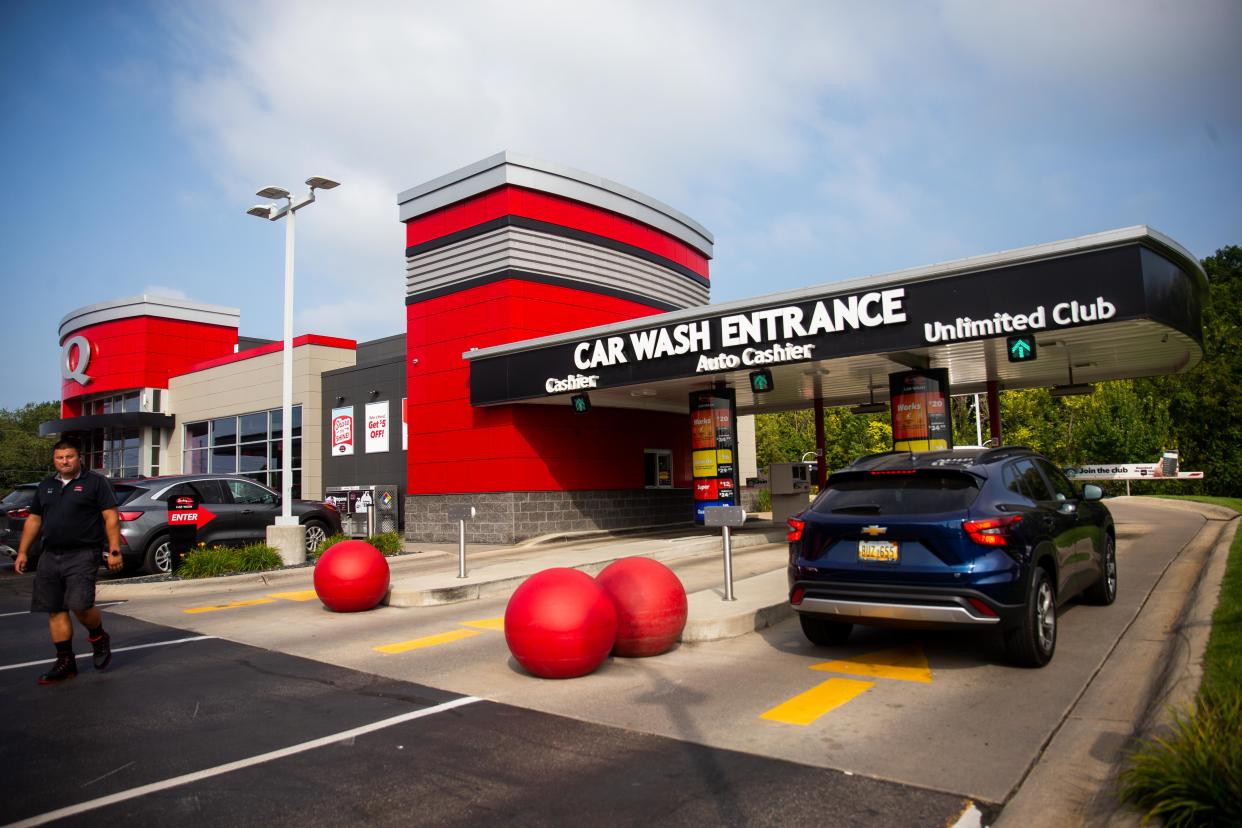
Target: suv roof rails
column 1001, row 452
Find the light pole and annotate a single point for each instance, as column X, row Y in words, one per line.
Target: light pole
column 272, row 212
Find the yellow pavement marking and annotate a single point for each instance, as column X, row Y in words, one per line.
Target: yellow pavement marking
column 304, row 595
column 805, row 708
column 486, row 624
column 426, row 641
column 901, row 663
column 232, row 605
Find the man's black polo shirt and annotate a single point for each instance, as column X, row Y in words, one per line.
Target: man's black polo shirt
column 71, row 513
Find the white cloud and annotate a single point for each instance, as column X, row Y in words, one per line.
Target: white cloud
column 165, row 292
column 825, row 127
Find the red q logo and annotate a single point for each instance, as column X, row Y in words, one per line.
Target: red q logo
column 76, row 369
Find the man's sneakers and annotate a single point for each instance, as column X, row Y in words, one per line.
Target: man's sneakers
column 65, row 668
column 102, row 650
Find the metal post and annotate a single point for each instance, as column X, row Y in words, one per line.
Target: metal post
column 728, row 566
column 286, row 450
column 821, row 463
column 978, row 423
column 994, row 418
column 461, row 549
column 1127, row 488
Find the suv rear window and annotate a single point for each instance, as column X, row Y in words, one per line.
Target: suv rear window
column 922, row 493
column 17, row 499
column 123, row 493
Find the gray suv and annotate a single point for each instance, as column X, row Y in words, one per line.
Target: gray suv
column 242, row 508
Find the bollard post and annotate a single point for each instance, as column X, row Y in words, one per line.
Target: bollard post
column 726, row 517
column 461, row 514
column 728, row 566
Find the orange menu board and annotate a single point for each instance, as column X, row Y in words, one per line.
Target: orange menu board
column 713, row 443
column 919, row 402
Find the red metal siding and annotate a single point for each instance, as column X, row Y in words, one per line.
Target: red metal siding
column 143, row 352
column 456, row 448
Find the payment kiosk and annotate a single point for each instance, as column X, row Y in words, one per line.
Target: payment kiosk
column 791, row 489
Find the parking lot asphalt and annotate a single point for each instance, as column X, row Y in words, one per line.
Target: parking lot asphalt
column 207, row 731
column 938, row 712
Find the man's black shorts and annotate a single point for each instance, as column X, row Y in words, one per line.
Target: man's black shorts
column 65, row 581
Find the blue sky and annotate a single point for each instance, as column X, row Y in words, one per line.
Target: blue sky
column 817, row 141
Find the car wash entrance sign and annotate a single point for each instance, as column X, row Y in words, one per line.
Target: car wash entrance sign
column 1093, row 287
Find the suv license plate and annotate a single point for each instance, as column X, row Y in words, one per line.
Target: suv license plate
column 878, row 551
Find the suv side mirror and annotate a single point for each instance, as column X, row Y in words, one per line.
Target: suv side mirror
column 1090, row 491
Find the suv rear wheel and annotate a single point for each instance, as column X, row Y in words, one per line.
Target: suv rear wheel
column 1032, row 641
column 824, row 633
column 316, row 533
column 159, row 556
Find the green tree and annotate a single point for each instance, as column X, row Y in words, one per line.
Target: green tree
column 1203, row 403
column 1117, row 424
column 785, row 436
column 24, row 455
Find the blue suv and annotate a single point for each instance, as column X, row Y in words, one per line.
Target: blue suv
column 971, row 537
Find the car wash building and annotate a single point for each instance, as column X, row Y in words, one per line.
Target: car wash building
column 563, row 370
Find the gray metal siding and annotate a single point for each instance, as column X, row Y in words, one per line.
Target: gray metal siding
column 513, row 248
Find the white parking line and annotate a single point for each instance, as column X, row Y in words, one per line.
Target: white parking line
column 27, row 612
column 114, row 649
column 218, row 770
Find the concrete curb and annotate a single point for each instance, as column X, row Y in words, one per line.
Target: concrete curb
column 761, row 601
column 1074, row 780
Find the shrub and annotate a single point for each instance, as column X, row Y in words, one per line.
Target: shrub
column 1194, row 777
column 257, row 557
column 327, row 543
column 389, row 543
column 206, row 562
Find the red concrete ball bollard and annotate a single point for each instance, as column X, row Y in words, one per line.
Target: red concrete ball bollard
column 651, row 605
column 560, row 624
column 351, row 576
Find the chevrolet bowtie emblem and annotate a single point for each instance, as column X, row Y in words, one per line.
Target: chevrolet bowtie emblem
column 874, row 530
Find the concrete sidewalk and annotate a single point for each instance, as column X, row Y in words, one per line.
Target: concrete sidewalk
column 759, row 602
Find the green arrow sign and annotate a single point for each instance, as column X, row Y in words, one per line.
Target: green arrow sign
column 1021, row 348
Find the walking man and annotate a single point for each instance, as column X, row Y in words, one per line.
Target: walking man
column 76, row 512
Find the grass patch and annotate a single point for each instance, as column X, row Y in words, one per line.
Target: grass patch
column 1194, row 775
column 208, row 562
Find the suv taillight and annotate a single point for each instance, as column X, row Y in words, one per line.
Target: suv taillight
column 993, row 531
column 795, row 529
column 18, row 513
column 130, row 515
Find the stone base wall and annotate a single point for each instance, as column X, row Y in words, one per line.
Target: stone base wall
column 510, row 517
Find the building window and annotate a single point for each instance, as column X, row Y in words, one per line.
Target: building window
column 114, row 403
column 113, row 452
column 249, row 444
column 658, row 469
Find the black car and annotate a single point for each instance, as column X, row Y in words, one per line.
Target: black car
column 242, row 512
column 14, row 509
column 978, row 537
